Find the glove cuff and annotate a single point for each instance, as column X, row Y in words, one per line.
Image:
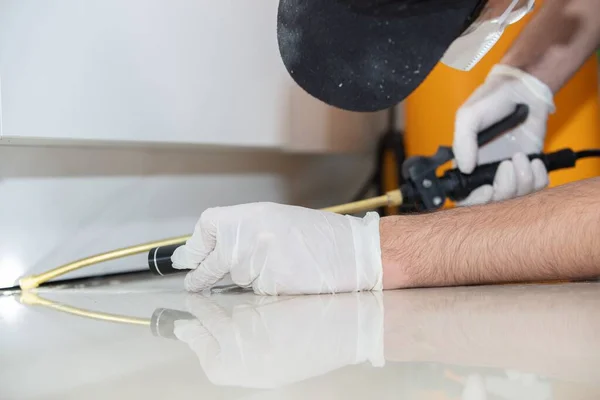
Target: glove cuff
column 367, row 251
column 538, row 88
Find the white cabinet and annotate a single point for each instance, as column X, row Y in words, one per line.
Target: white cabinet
column 155, row 71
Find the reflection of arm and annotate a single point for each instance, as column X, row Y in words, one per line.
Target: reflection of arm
column 552, row 234
column 557, row 41
column 548, row 330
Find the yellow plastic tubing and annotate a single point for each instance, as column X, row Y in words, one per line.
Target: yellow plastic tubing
column 431, row 109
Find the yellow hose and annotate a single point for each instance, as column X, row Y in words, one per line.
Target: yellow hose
column 393, row 198
column 33, row 281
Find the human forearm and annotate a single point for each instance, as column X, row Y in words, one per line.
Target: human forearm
column 554, row 234
column 557, row 41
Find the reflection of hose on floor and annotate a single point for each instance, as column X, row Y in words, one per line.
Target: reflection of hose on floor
column 32, row 299
column 162, row 322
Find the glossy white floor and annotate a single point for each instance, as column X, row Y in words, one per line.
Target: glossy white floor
column 529, row 342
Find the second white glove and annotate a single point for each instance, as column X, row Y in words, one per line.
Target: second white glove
column 496, row 98
column 279, row 249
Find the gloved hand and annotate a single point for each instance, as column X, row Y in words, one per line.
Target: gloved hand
column 269, row 342
column 279, row 249
column 496, row 98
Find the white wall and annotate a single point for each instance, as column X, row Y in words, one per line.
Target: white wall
column 154, row 71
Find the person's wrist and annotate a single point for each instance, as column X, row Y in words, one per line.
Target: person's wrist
column 424, row 250
column 545, row 75
column 536, row 86
column 395, row 253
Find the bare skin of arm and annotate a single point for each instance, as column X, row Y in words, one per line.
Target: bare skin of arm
column 557, row 41
column 550, row 235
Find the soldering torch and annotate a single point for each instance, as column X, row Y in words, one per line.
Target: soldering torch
column 424, row 188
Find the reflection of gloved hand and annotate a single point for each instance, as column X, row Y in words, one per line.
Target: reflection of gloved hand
column 275, row 341
column 278, row 249
column 504, row 88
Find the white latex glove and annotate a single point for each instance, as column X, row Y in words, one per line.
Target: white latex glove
column 279, row 249
column 269, row 342
column 496, row 98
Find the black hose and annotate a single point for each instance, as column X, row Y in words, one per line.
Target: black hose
column 588, row 153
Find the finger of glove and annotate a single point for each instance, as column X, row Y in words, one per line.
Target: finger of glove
column 470, row 121
column 481, row 195
column 212, row 316
column 464, row 145
column 199, row 339
column 540, row 175
column 199, row 246
column 523, row 174
column 207, row 274
column 490, row 103
column 505, row 182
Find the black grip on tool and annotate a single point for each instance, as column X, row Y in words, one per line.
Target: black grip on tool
column 424, row 188
column 159, row 260
column 458, row 186
column 507, row 123
column 163, row 320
